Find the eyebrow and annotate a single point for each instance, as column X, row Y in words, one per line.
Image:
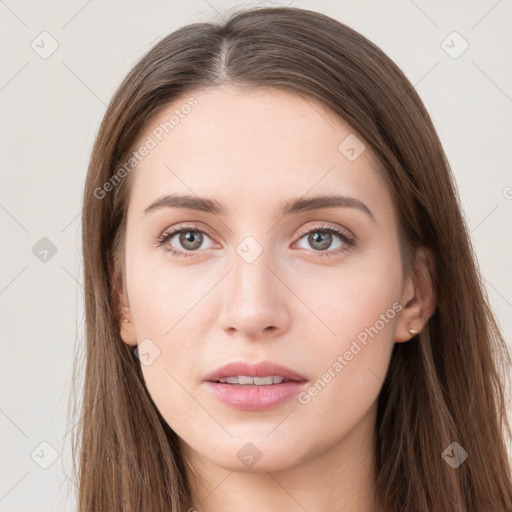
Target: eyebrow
column 292, row 206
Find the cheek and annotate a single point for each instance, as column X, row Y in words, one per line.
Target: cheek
column 358, row 309
column 349, row 301
column 173, row 314
column 176, row 325
column 163, row 298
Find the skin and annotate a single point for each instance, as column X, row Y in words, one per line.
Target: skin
column 254, row 150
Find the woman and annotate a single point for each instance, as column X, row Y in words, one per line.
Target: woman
column 283, row 308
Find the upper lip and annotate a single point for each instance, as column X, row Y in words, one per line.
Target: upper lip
column 262, row 369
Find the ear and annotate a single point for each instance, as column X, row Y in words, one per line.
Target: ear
column 419, row 298
column 123, row 314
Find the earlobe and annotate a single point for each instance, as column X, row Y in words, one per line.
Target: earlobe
column 421, row 300
column 127, row 329
column 124, row 316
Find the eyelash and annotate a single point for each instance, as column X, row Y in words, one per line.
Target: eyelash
column 345, row 238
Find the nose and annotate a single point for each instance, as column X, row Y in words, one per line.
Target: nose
column 255, row 303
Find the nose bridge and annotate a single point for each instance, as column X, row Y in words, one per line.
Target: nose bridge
column 252, row 277
column 253, row 300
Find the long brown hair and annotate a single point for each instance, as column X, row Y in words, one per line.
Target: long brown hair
column 447, row 385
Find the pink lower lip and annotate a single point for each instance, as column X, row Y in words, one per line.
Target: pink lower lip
column 254, row 398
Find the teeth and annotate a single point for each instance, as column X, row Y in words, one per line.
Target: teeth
column 258, row 381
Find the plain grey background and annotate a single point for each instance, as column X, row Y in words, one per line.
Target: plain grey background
column 457, row 54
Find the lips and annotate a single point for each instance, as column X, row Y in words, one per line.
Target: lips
column 257, row 396
column 262, row 369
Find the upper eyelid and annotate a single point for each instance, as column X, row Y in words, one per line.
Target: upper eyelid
column 329, row 227
column 176, row 229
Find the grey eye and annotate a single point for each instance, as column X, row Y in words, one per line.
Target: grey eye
column 188, row 239
column 321, row 239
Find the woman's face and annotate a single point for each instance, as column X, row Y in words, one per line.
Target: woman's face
column 253, row 282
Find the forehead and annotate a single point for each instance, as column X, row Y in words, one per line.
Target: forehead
column 245, row 147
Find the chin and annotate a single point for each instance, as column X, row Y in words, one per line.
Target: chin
column 256, row 455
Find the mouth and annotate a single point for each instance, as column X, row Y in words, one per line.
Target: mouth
column 254, row 387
